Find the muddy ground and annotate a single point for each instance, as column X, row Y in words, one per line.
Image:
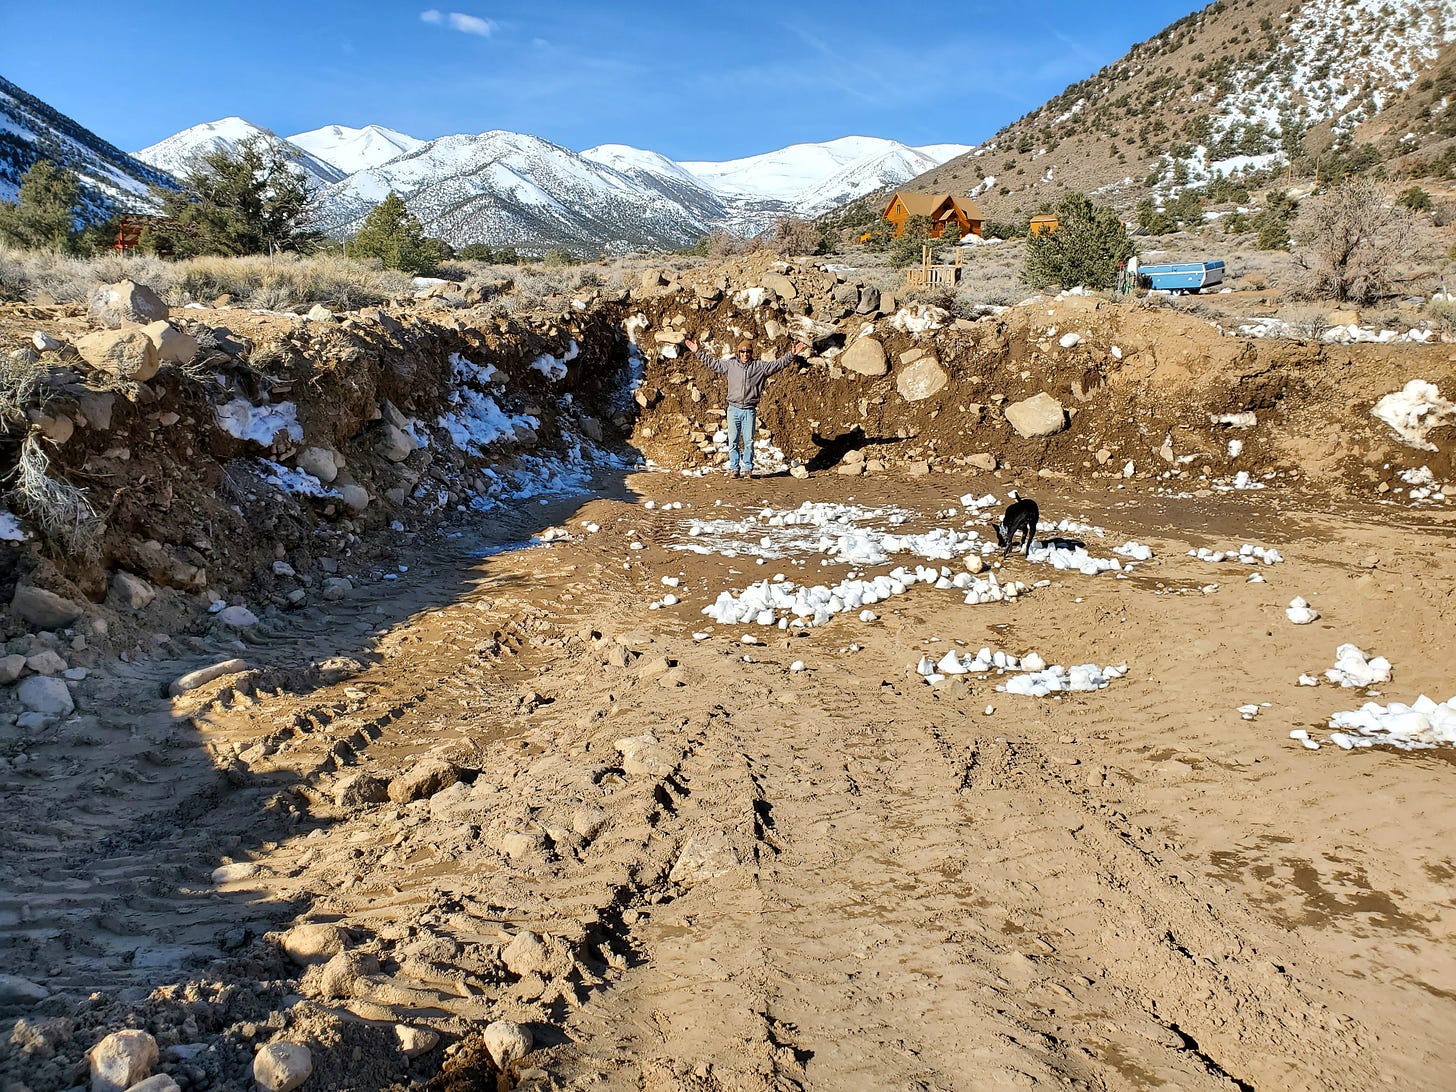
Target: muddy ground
column 684, row 865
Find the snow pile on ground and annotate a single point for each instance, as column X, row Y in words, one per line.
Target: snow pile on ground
column 537, row 477
column 553, row 368
column 1076, row 559
column 1247, row 554
column 463, row 370
column 260, row 424
column 1241, row 480
column 918, row 318
column 1413, row 411
column 774, row 602
column 292, row 480
column 1422, row 724
column 1300, row 612
column 1039, row 680
column 1349, row 334
column 821, row 528
column 1135, row 550
column 1354, row 668
column 1423, row 485
column 477, row 421
column 10, row 529
column 1058, row 679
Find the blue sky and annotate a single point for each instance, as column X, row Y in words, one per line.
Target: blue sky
column 692, row 81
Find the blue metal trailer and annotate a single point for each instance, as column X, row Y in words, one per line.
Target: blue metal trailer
column 1181, row 276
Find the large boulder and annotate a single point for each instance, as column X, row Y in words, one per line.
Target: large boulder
column 122, row 1059
column 321, row 462
column 173, row 345
column 869, row 300
column 1039, row 415
column 921, row 379
column 394, row 443
column 47, row 695
column 130, row 590
column 282, row 1066
column 866, row 356
column 423, row 779
column 113, row 305
column 779, row 285
column 43, row 609
column 127, row 354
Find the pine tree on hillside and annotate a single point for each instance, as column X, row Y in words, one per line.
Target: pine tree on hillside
column 247, row 201
column 44, row 217
column 393, row 235
column 1086, row 249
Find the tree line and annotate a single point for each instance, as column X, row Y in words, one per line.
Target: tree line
column 238, row 202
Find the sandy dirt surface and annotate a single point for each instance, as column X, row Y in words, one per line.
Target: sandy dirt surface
column 510, row 790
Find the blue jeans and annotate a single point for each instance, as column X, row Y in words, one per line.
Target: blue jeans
column 740, row 430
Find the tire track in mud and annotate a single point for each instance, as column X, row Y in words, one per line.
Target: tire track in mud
column 928, row 910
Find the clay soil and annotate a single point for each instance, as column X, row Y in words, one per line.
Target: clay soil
column 839, row 878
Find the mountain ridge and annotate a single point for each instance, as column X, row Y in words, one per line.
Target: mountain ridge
column 1228, row 89
column 110, row 180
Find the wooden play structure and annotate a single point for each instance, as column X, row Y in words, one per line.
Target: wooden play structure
column 927, row 274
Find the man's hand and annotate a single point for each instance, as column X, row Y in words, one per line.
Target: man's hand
column 690, row 345
column 800, row 348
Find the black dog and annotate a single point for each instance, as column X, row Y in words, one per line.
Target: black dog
column 1021, row 518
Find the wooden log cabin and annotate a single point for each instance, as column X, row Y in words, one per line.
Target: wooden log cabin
column 961, row 216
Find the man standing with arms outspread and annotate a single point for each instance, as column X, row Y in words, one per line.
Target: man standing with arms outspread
column 746, row 379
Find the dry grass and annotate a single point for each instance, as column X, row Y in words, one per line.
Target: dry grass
column 61, row 511
column 284, row 282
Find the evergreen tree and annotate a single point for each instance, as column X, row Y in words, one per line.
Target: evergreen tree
column 1086, row 249
column 393, row 235
column 44, row 217
column 905, row 248
column 247, row 201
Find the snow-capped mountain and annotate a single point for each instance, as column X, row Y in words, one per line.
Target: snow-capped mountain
column 512, row 189
column 110, row 179
column 788, row 174
column 353, row 150
column 179, row 151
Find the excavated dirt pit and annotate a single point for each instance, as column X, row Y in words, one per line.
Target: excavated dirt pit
column 514, row 773
column 838, row 877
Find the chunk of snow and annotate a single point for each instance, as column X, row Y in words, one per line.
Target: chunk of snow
column 260, row 424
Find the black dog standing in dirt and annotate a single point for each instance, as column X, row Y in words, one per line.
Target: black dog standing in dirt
column 1021, row 517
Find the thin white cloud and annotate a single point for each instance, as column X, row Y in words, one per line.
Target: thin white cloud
column 471, row 24
column 431, row 16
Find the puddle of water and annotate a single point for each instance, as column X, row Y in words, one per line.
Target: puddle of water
column 507, row 547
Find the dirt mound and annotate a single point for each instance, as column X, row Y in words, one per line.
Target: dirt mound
column 1139, row 384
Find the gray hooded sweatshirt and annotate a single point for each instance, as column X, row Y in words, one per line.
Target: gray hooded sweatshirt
column 745, row 381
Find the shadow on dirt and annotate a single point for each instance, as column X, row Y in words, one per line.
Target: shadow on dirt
column 141, row 836
column 833, row 449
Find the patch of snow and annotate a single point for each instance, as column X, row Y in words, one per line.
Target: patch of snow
column 260, row 424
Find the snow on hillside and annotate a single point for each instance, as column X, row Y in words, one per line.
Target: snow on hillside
column 353, row 150
column 886, row 170
column 1340, row 59
column 629, row 160
column 511, row 188
column 30, row 130
column 786, row 174
column 178, row 152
